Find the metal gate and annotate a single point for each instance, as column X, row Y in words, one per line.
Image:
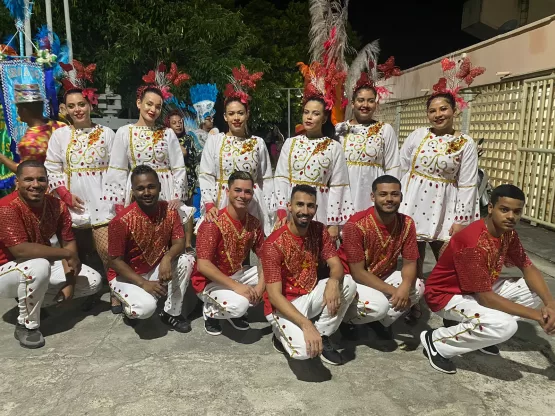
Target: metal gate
column 535, row 159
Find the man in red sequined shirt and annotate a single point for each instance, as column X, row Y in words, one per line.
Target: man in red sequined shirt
column 30, row 269
column 225, row 286
column 373, row 240
column 295, row 296
column 146, row 248
column 465, row 286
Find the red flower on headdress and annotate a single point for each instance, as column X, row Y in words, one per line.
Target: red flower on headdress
column 91, row 95
column 389, row 69
column 467, row 73
column 244, row 78
column 150, row 78
column 84, row 72
column 231, row 92
column 66, row 67
column 68, row 85
column 447, row 64
column 175, row 77
column 441, row 85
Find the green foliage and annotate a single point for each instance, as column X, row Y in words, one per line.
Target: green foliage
column 206, row 38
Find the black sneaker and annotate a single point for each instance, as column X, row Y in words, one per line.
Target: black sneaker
column 239, row 323
column 491, row 350
column 177, row 323
column 329, row 354
column 436, row 360
column 449, row 323
column 382, row 332
column 349, row 331
column 130, row 322
column 28, row 338
column 278, row 346
column 212, row 326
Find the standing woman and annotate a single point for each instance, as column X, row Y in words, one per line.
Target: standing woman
column 371, row 147
column 439, row 168
column 237, row 150
column 76, row 161
column 315, row 159
column 144, row 143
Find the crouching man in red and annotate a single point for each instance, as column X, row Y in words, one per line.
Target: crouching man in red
column 146, row 248
column 373, row 240
column 30, row 269
column 465, row 286
column 226, row 287
column 294, row 295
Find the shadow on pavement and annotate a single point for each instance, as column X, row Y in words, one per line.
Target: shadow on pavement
column 311, row 371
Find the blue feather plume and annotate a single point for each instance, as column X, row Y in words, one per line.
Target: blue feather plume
column 16, row 8
column 202, row 92
column 41, row 38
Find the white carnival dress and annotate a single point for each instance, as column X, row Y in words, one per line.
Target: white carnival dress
column 222, row 155
column 319, row 163
column 78, row 160
column 370, row 152
column 155, row 147
column 439, row 182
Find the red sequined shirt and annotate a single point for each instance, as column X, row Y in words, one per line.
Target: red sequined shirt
column 471, row 263
column 226, row 243
column 293, row 260
column 142, row 240
column 23, row 224
column 366, row 238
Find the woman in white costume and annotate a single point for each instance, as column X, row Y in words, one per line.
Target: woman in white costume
column 77, row 160
column 144, row 143
column 439, row 167
column 237, row 150
column 371, row 147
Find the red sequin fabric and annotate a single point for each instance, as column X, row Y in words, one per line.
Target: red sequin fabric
column 471, row 263
column 21, row 224
column 143, row 240
column 366, row 238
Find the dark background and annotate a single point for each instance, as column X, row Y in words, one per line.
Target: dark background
column 414, row 31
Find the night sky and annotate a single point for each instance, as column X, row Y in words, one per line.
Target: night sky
column 414, row 31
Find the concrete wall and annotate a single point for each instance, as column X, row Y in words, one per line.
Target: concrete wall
column 527, row 50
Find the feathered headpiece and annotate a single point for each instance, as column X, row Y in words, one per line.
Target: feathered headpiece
column 83, row 75
column 366, row 72
column 325, row 76
column 163, row 80
column 241, row 81
column 455, row 74
column 203, row 97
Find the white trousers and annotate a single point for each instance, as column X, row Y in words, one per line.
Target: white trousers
column 479, row 326
column 37, row 282
column 139, row 304
column 223, row 303
column 373, row 305
column 311, row 305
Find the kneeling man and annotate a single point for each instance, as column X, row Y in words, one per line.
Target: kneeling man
column 373, row 240
column 30, row 269
column 146, row 246
column 226, row 287
column 465, row 286
column 295, row 296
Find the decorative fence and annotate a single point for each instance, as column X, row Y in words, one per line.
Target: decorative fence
column 517, row 121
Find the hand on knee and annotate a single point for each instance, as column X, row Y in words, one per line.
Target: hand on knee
column 349, row 288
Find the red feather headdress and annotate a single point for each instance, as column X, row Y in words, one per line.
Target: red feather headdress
column 365, row 71
column 163, row 80
column 83, row 75
column 455, row 74
column 241, row 81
